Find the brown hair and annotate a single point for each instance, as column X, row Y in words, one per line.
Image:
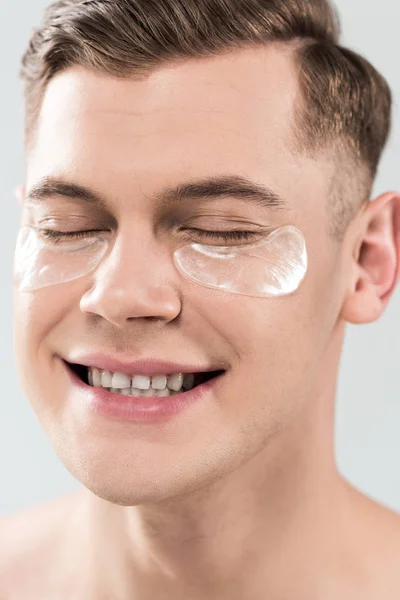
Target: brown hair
column 345, row 103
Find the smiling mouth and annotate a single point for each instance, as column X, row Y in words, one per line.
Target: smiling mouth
column 82, row 373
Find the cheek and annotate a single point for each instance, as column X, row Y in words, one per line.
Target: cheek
column 273, row 346
column 276, row 343
column 262, row 331
column 36, row 317
column 39, row 318
column 281, row 344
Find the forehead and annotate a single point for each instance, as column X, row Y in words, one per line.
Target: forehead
column 227, row 114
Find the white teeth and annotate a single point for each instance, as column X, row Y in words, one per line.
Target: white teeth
column 188, row 381
column 121, row 381
column 142, row 382
column 96, row 377
column 106, row 379
column 147, row 393
column 158, row 382
column 135, row 392
column 143, row 393
column 175, row 381
column 124, row 384
column 163, row 393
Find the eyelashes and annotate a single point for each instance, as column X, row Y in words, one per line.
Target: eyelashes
column 57, row 236
column 228, row 235
column 225, row 235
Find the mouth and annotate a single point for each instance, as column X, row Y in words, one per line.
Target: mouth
column 142, row 385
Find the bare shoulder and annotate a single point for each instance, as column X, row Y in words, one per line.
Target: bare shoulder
column 378, row 534
column 381, row 522
column 385, row 529
column 29, row 539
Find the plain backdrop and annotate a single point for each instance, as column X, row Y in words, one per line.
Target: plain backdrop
column 368, row 396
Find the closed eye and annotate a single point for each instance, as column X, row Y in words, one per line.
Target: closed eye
column 231, row 235
column 55, row 236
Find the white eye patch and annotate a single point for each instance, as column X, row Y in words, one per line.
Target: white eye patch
column 39, row 263
column 275, row 266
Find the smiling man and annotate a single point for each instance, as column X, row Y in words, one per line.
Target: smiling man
column 196, row 232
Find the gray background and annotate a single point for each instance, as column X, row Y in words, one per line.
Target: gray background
column 368, row 405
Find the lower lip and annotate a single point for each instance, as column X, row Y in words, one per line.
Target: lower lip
column 127, row 408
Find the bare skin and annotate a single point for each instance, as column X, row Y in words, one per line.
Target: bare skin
column 240, row 497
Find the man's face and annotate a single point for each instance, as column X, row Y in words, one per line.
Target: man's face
column 129, row 140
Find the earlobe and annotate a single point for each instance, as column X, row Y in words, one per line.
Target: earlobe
column 362, row 305
column 377, row 262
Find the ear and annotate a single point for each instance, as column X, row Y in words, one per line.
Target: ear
column 376, row 260
column 20, row 193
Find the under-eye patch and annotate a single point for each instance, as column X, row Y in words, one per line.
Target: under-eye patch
column 274, row 266
column 41, row 263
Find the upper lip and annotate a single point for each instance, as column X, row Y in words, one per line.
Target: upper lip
column 143, row 366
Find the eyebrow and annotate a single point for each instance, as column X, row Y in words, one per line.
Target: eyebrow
column 233, row 186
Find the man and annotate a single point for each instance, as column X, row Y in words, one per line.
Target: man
column 156, row 134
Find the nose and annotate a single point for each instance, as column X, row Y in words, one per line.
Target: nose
column 135, row 280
